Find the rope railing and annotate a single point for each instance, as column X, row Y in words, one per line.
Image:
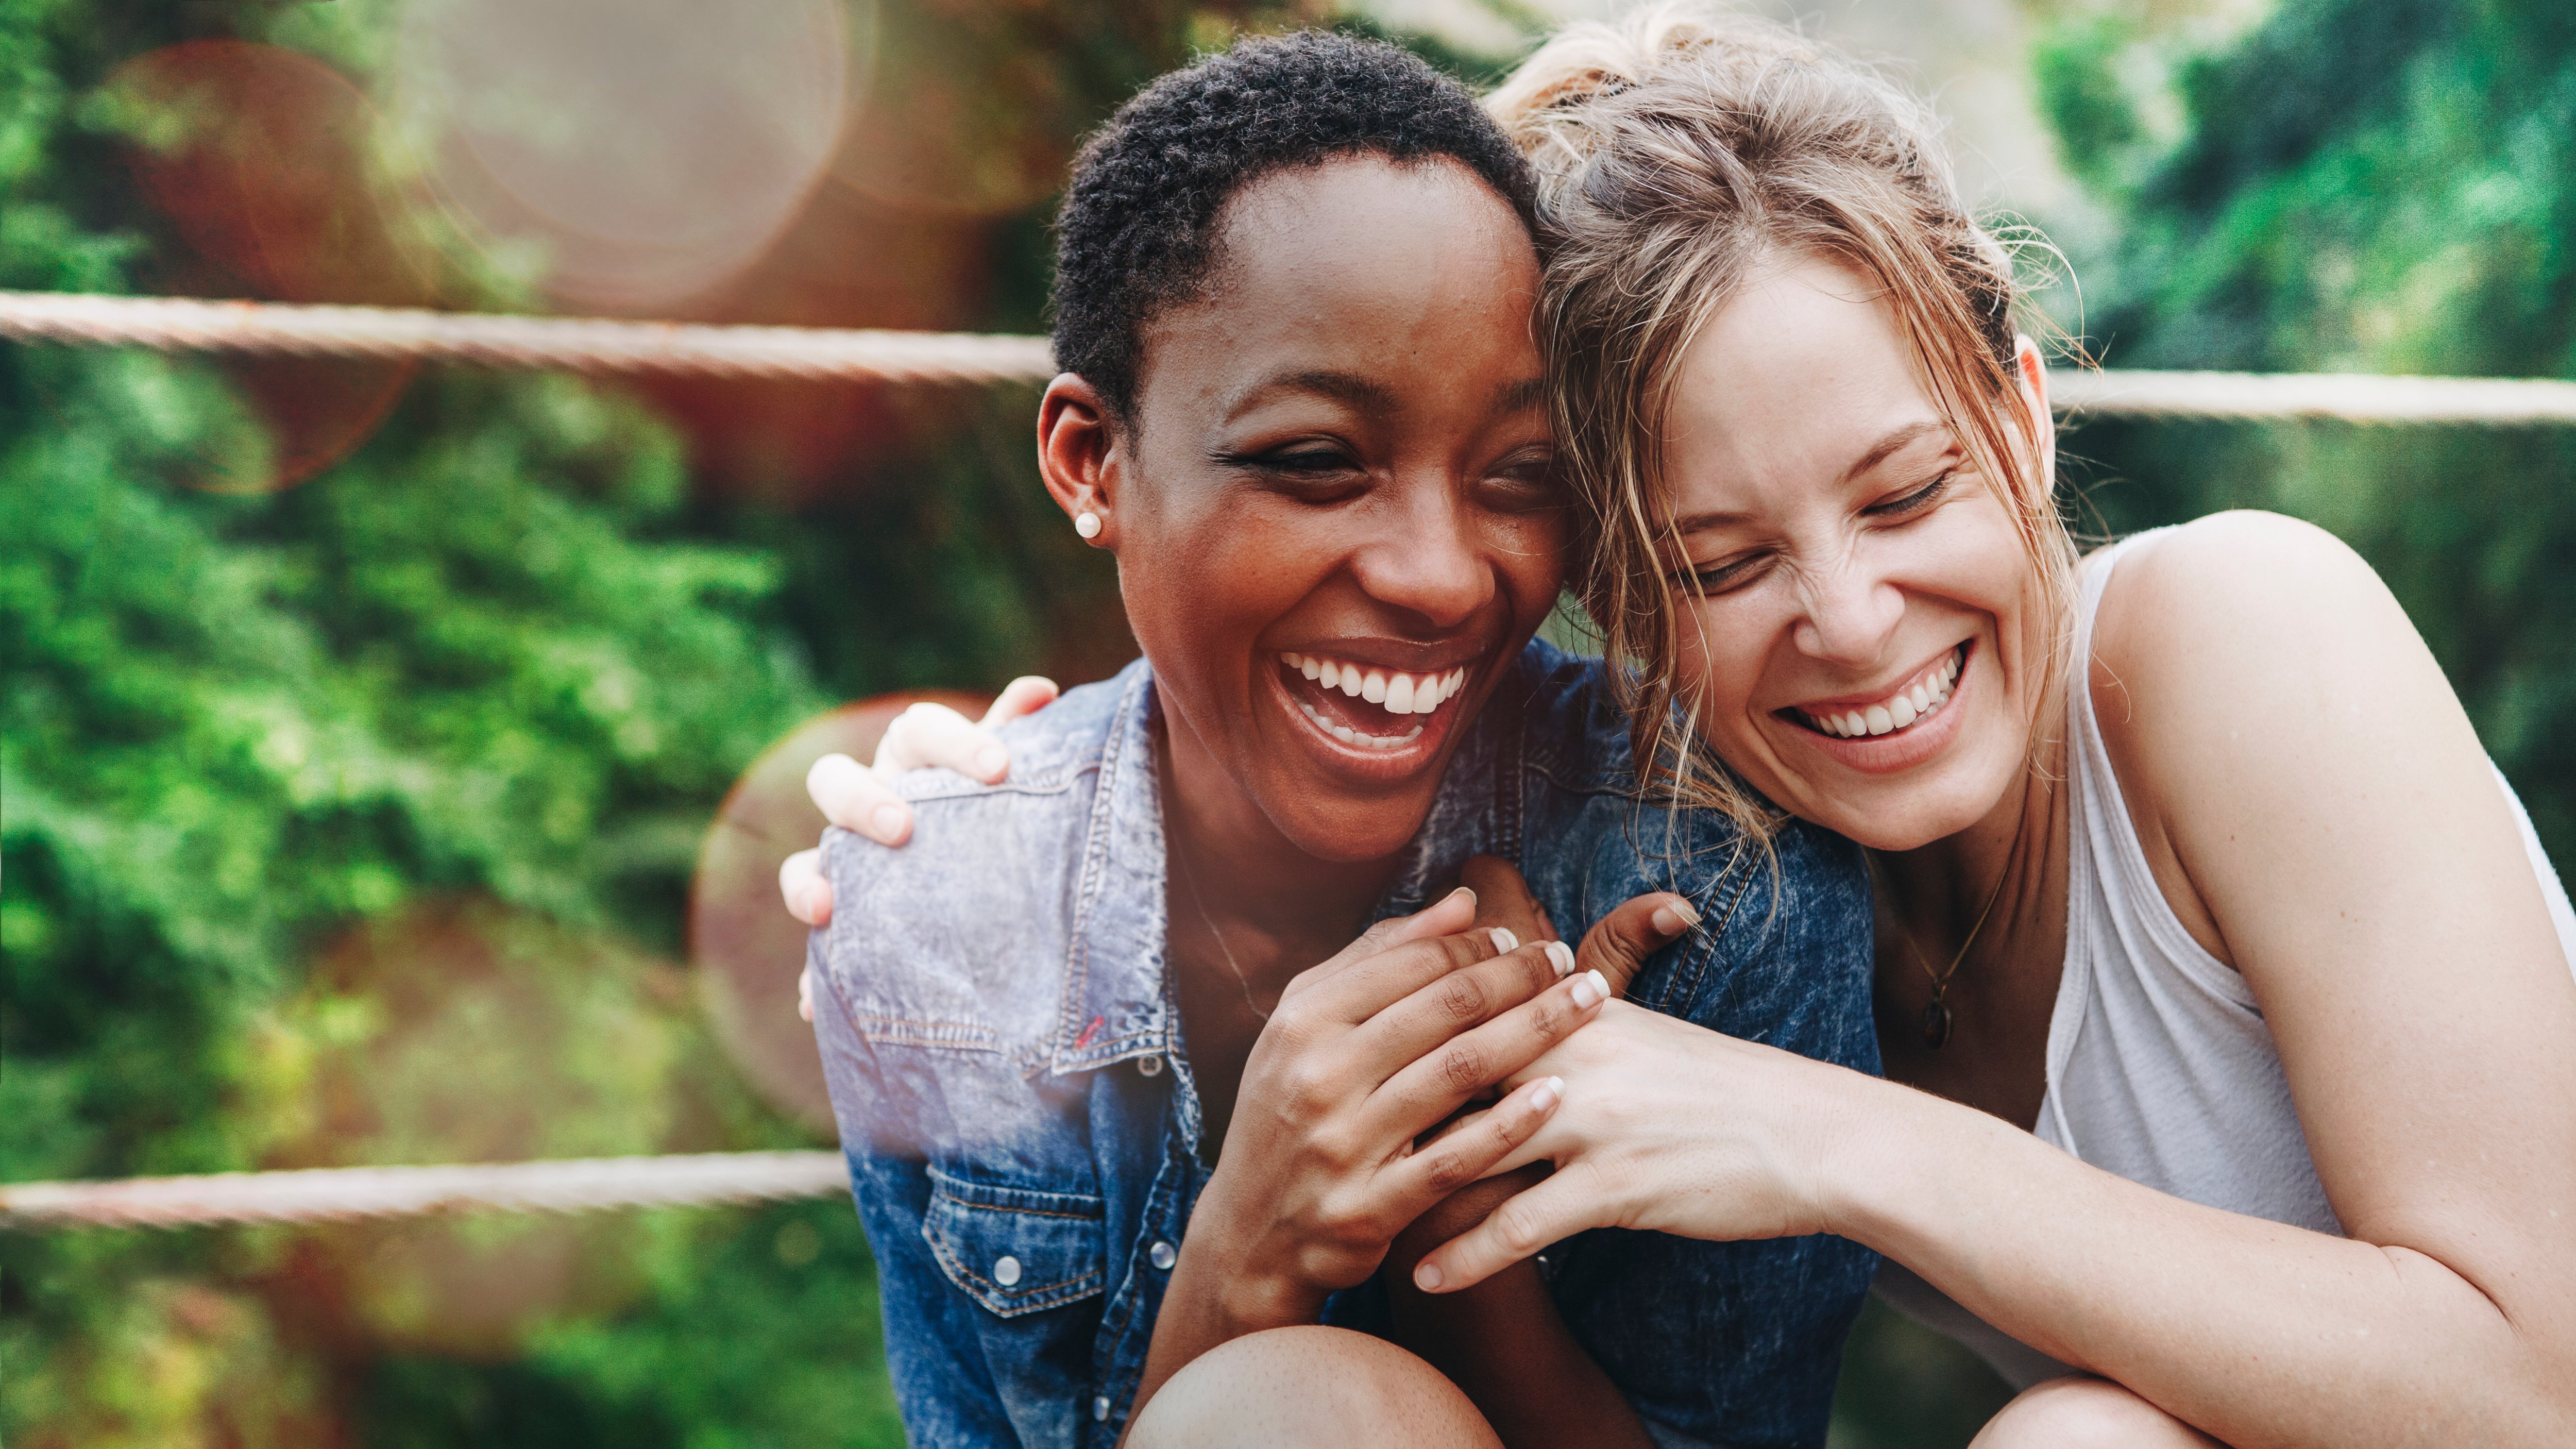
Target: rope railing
column 573, row 344
column 178, row 324
column 333, row 1194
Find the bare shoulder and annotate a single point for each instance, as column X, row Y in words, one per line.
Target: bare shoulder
column 2243, row 617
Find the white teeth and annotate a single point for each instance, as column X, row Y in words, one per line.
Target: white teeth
column 1356, row 738
column 1903, row 708
column 1396, row 692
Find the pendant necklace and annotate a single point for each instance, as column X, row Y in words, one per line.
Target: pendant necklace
column 1936, row 1012
column 1189, row 882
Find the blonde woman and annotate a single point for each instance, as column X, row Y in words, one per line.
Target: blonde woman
column 2223, row 988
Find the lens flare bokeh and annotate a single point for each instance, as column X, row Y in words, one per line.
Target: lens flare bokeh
column 263, row 161
column 746, row 948
column 648, row 150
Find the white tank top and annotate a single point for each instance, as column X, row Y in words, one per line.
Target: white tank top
column 2159, row 1065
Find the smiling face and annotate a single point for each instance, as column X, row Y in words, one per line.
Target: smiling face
column 1334, row 515
column 1874, row 642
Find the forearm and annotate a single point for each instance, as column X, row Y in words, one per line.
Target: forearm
column 1214, row 1301
column 1503, row 1341
column 2257, row 1333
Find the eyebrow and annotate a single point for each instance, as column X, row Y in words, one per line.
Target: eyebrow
column 1371, row 396
column 1871, row 456
column 1349, row 387
column 1895, row 438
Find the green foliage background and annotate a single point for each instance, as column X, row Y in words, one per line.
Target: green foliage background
column 350, row 824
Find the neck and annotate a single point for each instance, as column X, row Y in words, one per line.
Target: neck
column 1278, row 908
column 1995, row 870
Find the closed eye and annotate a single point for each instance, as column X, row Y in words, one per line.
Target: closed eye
column 1719, row 578
column 1314, row 474
column 1916, row 501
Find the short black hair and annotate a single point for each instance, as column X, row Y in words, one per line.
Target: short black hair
column 1137, row 232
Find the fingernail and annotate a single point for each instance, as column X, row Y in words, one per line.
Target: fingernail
column 1426, row 1276
column 1550, row 1092
column 886, row 823
column 1684, row 909
column 1504, row 940
column 1590, row 990
column 1669, row 922
column 990, row 760
column 1460, row 891
column 1560, row 956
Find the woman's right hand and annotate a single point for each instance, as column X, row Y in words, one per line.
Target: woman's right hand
column 1365, row 1054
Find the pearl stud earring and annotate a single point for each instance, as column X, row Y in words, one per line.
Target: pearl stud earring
column 1087, row 523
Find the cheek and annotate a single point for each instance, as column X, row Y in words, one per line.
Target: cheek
column 1529, row 552
column 1713, row 666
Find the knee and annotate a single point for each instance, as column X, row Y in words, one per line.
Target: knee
column 2086, row 1413
column 1309, row 1386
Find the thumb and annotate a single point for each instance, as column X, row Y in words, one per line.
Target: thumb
column 1618, row 946
column 1503, row 899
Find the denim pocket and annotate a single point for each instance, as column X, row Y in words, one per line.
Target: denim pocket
column 1016, row 1250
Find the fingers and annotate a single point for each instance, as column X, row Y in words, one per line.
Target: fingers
column 1551, row 1212
column 1461, row 999
column 805, row 993
column 1449, row 915
column 1618, row 946
column 933, row 734
column 1420, row 1180
column 853, row 798
column 1021, row 697
column 807, row 890
column 1360, row 990
column 1434, row 1084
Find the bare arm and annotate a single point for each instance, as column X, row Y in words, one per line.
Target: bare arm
column 2292, row 752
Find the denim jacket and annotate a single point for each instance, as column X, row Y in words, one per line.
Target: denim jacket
column 999, row 1031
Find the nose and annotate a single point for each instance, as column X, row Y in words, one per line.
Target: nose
column 1851, row 610
column 1427, row 560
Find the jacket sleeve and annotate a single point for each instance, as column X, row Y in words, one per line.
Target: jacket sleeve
column 934, row 1349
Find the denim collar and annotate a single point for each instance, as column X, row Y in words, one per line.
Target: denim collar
column 1115, row 1003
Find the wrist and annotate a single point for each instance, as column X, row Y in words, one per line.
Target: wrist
column 1229, row 1287
column 1865, row 1163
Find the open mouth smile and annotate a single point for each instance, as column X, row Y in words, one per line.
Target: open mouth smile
column 1897, row 712
column 1401, row 700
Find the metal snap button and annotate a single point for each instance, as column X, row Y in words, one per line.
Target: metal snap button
column 1100, row 1409
column 1006, row 1271
column 1149, row 1066
column 1161, row 1255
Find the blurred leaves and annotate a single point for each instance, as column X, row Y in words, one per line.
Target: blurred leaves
column 2368, row 186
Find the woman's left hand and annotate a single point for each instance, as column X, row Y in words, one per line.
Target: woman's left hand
column 1668, row 1127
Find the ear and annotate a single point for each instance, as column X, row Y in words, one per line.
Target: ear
column 1082, row 454
column 2030, row 370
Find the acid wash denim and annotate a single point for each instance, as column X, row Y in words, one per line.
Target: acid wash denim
column 1005, row 1057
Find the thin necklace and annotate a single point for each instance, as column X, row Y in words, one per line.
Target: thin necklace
column 1936, row 1012
column 1190, row 883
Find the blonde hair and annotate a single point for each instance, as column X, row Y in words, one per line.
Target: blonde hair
column 1675, row 150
